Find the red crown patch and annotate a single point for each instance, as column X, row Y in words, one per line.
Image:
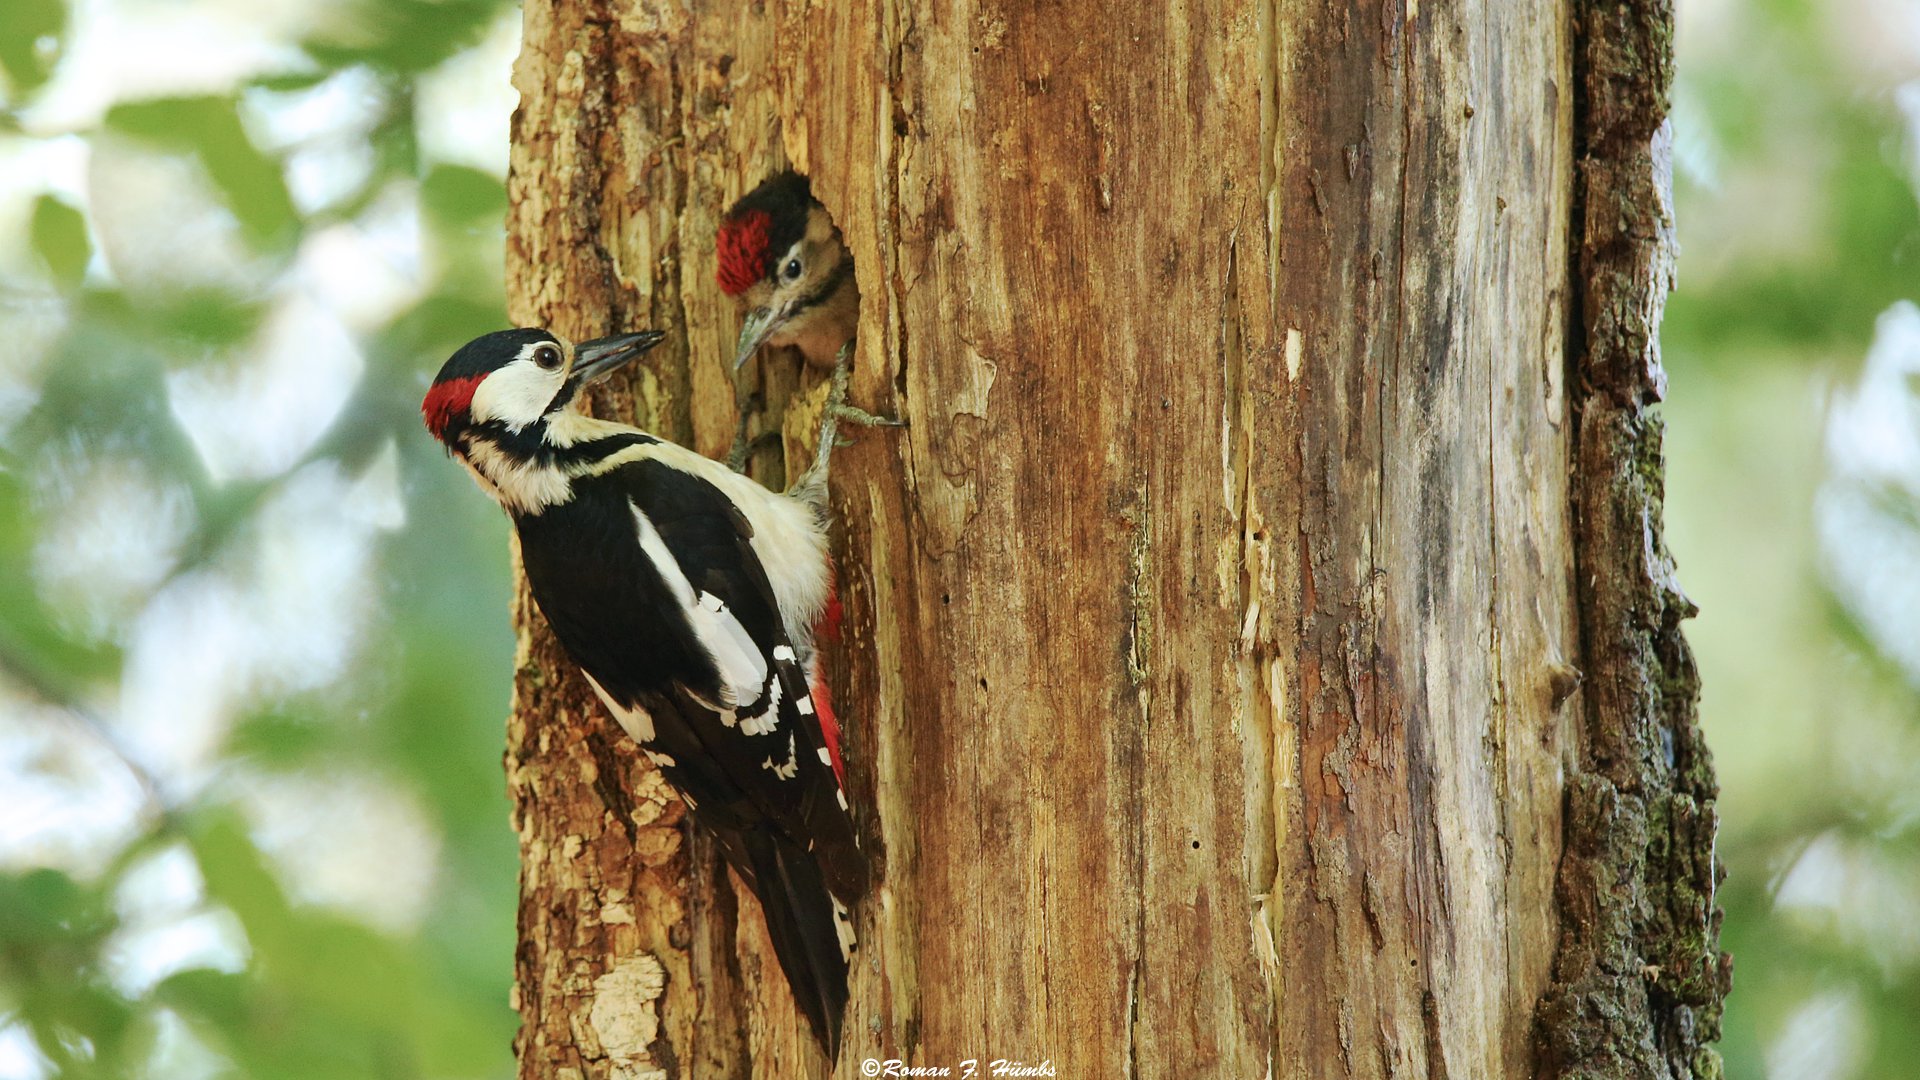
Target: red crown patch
column 743, row 251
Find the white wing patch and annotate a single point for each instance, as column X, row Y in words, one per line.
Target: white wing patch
column 843, row 927
column 765, row 723
column 788, row 537
column 743, row 670
column 788, row 770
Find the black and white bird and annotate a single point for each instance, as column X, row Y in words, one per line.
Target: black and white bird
column 692, row 598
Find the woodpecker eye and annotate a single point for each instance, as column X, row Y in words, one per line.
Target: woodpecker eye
column 547, row 357
column 792, row 270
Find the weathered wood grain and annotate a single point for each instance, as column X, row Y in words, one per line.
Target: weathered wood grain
column 1214, row 642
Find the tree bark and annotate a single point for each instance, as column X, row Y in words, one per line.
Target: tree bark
column 1261, row 656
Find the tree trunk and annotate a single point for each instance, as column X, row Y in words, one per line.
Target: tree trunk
column 1261, row 655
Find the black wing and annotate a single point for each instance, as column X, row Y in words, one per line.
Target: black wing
column 745, row 759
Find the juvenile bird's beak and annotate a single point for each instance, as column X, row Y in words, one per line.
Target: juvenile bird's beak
column 759, row 326
column 595, row 360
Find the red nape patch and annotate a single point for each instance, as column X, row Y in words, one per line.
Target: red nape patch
column 743, row 251
column 446, row 401
column 829, row 727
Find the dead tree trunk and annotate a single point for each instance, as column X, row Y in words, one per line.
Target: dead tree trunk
column 1261, row 654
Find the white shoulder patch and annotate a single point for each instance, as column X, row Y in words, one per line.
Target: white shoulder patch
column 788, row 537
column 743, row 670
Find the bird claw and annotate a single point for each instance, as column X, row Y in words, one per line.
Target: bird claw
column 855, row 415
column 743, row 447
column 836, row 412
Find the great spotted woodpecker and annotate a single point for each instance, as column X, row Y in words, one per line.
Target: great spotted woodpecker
column 691, row 598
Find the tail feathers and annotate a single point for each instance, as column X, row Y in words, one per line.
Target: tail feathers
column 811, row 931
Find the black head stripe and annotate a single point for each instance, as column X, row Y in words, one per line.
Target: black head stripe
column 490, row 351
column 568, row 388
column 842, row 270
column 530, row 444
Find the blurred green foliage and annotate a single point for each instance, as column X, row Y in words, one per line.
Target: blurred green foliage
column 1799, row 227
column 30, row 36
column 210, row 130
column 299, row 987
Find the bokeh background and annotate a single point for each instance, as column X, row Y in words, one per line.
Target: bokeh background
column 254, row 656
column 254, row 661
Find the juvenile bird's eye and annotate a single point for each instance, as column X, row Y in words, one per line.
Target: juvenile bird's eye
column 792, row 270
column 547, row 357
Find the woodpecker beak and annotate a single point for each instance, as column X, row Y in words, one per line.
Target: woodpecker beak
column 760, row 325
column 595, row 360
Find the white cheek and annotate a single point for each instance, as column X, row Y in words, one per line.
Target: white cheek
column 516, row 395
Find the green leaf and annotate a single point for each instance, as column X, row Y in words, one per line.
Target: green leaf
column 404, row 36
column 278, row 739
column 284, row 81
column 220, row 997
column 33, row 647
column 27, row 29
column 237, row 876
column 60, row 239
column 44, row 907
column 204, row 318
column 460, row 196
column 251, row 181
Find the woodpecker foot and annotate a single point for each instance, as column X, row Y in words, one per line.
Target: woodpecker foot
column 837, row 412
column 853, row 414
column 744, row 447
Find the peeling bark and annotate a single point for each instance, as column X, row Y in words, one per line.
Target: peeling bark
column 1639, row 977
column 1216, row 631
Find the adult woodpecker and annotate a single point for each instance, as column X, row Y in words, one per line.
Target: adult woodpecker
column 691, row 597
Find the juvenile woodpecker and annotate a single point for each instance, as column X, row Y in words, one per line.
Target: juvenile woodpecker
column 691, row 598
column 782, row 260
